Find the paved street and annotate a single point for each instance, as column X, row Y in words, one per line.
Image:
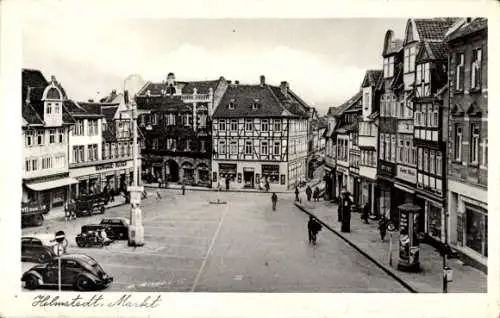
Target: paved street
column 242, row 246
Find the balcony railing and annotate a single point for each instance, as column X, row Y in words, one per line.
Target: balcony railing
column 202, row 97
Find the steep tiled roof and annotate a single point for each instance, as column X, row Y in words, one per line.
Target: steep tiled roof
column 438, row 49
column 30, row 115
column 93, row 109
column 291, row 101
column 109, row 112
column 242, row 97
column 167, row 103
column 33, row 79
column 343, row 107
column 475, row 25
column 202, row 87
column 372, row 78
column 395, row 46
column 433, row 29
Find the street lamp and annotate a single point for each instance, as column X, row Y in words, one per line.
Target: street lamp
column 135, row 230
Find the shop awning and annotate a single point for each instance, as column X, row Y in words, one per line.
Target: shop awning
column 51, row 184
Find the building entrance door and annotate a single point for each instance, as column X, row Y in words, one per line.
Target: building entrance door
column 249, row 179
column 173, row 171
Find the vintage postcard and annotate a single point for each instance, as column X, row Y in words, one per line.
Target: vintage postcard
column 193, row 166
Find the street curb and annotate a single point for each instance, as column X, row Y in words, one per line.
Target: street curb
column 215, row 190
column 387, row 270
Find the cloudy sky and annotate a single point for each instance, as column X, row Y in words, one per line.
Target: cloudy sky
column 323, row 59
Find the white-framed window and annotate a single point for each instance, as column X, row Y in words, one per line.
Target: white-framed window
column 413, row 154
column 188, row 145
column 432, row 162
column 40, row 136
column 387, row 147
column 233, row 147
column 409, row 59
column 265, row 125
column 277, row 147
column 418, row 115
column 202, row 146
column 52, row 136
column 46, row 163
column 476, row 68
column 382, row 146
column 400, row 150
column 28, row 138
column 474, row 144
column 420, row 158
column 458, row 142
column 393, row 148
column 106, row 151
column 277, row 125
column 170, row 119
column 234, row 124
column 27, row 166
column 222, row 147
column 459, row 71
column 78, row 130
column 230, row 105
column 248, row 148
column 49, row 108
column 426, row 160
column 248, row 125
column 187, row 119
column 484, row 153
column 60, row 135
column 222, row 124
column 439, row 163
column 264, row 148
column 389, row 66
column 435, row 116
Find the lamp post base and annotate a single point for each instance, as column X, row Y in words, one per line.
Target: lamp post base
column 135, row 235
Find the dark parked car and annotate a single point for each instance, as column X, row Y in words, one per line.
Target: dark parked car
column 79, row 271
column 116, row 228
column 38, row 248
column 91, row 235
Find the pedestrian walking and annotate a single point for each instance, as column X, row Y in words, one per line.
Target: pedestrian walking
column 382, row 227
column 158, row 195
column 274, row 200
column 159, row 182
column 346, row 213
column 313, row 227
column 316, row 194
column 308, row 193
column 267, row 186
column 366, row 212
column 297, row 194
column 183, row 188
column 227, row 183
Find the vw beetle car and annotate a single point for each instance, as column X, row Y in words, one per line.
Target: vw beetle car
column 78, row 271
column 116, row 228
column 38, row 248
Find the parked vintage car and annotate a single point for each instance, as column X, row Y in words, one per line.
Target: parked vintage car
column 90, row 204
column 32, row 213
column 38, row 248
column 79, row 271
column 91, row 236
column 116, row 228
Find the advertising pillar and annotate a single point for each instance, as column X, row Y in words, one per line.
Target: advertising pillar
column 409, row 245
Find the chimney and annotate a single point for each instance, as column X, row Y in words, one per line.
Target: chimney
column 236, row 82
column 284, row 88
column 262, row 80
column 53, row 79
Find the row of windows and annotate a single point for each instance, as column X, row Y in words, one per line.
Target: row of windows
column 266, row 125
column 124, row 129
column 342, row 149
column 37, row 137
column 477, row 148
column 369, row 158
column 430, row 161
column 265, row 148
column 171, row 144
column 365, row 128
column 390, row 107
column 92, row 127
column 117, row 150
column 173, row 119
column 53, row 108
column 426, row 115
column 79, row 153
column 475, row 69
column 47, row 162
column 406, row 152
column 354, row 161
column 389, row 67
column 387, row 147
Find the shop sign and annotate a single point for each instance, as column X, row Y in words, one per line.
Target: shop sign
column 121, row 164
column 342, row 170
column 227, row 166
column 104, row 166
column 270, row 169
column 407, row 174
column 387, row 169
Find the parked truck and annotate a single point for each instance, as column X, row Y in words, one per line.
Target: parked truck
column 32, row 213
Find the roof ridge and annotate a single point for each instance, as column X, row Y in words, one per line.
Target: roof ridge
column 268, row 87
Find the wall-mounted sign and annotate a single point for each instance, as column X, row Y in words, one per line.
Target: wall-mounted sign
column 407, row 174
column 387, row 169
column 111, row 165
column 342, row 170
column 120, row 164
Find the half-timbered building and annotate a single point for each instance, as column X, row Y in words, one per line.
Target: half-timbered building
column 259, row 134
column 177, row 129
column 368, row 137
column 468, row 141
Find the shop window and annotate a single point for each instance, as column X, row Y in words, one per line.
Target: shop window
column 434, row 221
column 476, row 230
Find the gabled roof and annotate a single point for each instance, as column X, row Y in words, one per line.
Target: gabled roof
column 166, row 103
column 109, row 112
column 434, row 29
column 187, row 87
column 243, row 97
column 30, row 115
column 372, row 78
column 476, row 25
column 34, row 83
column 291, row 101
column 352, row 101
column 432, row 51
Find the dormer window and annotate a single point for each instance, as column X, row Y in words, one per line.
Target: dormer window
column 255, row 106
column 56, row 109
column 49, row 108
column 230, row 105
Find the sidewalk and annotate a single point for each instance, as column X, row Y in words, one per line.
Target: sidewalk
column 366, row 238
column 174, row 186
column 58, row 212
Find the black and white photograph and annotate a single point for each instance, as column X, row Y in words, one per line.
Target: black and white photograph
column 237, row 155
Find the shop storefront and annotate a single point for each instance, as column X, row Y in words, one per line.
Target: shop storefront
column 51, row 190
column 475, row 236
column 342, row 179
column 203, row 174
column 227, row 170
column 271, row 173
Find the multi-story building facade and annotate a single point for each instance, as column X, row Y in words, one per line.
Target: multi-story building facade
column 45, row 129
column 468, row 140
column 177, row 128
column 368, row 137
column 260, row 132
column 354, row 182
column 347, row 149
column 430, row 135
column 391, row 91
